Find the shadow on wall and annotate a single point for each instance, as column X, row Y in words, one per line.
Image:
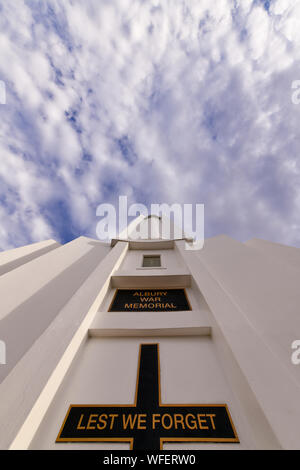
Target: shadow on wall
column 2, row 353
column 34, row 315
column 7, row 267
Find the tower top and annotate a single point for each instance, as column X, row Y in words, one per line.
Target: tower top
column 151, row 228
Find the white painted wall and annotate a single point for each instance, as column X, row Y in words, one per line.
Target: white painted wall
column 34, row 293
column 233, row 347
column 11, row 259
column 169, row 260
column 255, row 305
column 27, row 391
column 105, row 372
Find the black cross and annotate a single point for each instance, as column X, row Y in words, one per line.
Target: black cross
column 149, row 423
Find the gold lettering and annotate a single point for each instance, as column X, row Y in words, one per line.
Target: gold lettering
column 178, row 419
column 80, row 421
column 142, row 421
column 92, row 420
column 155, row 420
column 212, row 421
column 112, row 420
column 163, row 421
column 129, row 421
column 192, row 424
column 200, row 421
column 101, row 420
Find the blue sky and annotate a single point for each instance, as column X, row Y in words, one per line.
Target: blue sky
column 174, row 101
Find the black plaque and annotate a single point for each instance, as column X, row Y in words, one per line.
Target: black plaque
column 148, row 423
column 149, row 300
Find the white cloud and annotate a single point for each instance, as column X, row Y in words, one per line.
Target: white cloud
column 258, row 27
column 166, row 102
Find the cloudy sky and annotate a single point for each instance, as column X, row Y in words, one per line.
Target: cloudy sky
column 187, row 101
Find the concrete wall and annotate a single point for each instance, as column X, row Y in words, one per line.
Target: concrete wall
column 34, row 293
column 254, row 302
column 194, row 367
column 14, row 258
column 278, row 253
column 106, row 371
column 267, row 294
column 27, row 390
column 233, row 347
column 134, row 259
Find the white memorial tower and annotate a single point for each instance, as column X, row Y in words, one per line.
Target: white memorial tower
column 143, row 344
